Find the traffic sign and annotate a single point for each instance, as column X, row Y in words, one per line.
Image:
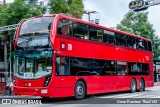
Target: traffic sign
column 136, row 4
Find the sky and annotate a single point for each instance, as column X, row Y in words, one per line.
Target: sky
column 111, row 12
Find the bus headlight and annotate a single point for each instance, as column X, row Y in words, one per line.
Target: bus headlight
column 47, row 80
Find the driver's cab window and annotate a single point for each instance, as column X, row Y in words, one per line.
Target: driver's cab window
column 21, row 66
column 62, row 65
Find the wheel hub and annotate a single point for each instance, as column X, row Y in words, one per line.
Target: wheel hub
column 79, row 90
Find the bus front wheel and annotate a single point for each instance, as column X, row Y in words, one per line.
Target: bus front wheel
column 79, row 90
column 133, row 86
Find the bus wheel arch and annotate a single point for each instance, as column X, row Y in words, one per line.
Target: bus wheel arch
column 80, row 89
column 141, row 85
column 133, row 85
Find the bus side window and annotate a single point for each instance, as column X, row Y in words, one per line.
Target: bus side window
column 145, row 45
column 140, row 44
column 111, row 39
column 65, row 27
column 145, row 69
column 131, row 42
column 121, row 68
column 62, row 66
column 149, row 46
column 95, row 34
column 108, row 37
column 120, row 39
column 109, row 68
column 80, row 30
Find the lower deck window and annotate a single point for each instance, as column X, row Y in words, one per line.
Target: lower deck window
column 88, row 67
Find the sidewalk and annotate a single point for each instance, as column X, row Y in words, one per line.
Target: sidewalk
column 156, row 83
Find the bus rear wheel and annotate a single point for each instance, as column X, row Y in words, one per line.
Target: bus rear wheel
column 133, row 86
column 79, row 90
column 141, row 85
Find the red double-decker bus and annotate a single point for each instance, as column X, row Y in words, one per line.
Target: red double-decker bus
column 61, row 56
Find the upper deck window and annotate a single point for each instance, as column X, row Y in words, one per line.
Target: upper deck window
column 36, row 25
column 120, row 39
column 65, row 27
column 140, row 44
column 80, row 30
column 85, row 31
column 149, row 46
column 131, row 42
column 106, row 33
column 95, row 34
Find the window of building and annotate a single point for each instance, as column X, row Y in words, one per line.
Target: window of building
column 80, row 30
column 121, row 68
column 120, row 39
column 95, row 34
column 131, row 42
column 65, row 27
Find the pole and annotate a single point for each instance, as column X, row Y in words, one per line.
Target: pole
column 89, row 13
column 5, row 60
column 5, row 50
column 10, row 59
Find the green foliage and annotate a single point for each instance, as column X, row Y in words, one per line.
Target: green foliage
column 73, row 8
column 19, row 10
column 137, row 23
column 16, row 11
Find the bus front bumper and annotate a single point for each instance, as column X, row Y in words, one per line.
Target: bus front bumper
column 56, row 92
column 34, row 91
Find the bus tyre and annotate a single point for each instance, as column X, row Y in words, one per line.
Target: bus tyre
column 133, row 86
column 141, row 85
column 79, row 90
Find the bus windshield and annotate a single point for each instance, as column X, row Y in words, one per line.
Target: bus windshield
column 36, row 25
column 33, row 65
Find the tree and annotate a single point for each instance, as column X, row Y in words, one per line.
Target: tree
column 73, row 8
column 13, row 13
column 137, row 23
